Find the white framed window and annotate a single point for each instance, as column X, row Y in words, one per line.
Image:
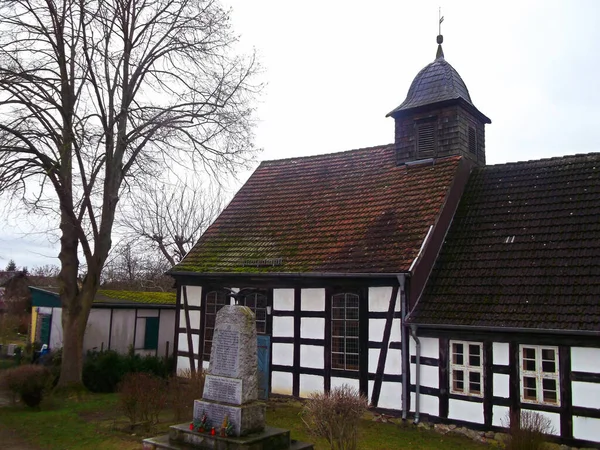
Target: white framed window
column 466, row 368
column 539, row 374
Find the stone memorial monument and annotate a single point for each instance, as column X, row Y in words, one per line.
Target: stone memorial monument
column 231, row 386
column 229, row 415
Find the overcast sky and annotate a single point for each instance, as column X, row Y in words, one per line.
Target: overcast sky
column 335, row 68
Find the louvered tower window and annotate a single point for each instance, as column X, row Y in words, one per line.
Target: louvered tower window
column 472, row 141
column 426, row 138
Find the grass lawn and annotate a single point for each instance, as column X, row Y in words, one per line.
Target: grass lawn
column 93, row 422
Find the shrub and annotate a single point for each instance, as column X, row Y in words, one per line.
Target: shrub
column 104, row 370
column 28, row 381
column 183, row 390
column 530, row 433
column 142, row 396
column 335, row 416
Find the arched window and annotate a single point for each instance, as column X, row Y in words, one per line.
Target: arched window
column 215, row 300
column 344, row 331
column 257, row 302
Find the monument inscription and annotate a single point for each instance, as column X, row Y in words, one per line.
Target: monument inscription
column 226, row 353
column 228, row 390
column 216, row 413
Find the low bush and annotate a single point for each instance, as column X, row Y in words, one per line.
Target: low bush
column 529, row 432
column 142, row 396
column 104, row 370
column 27, row 381
column 183, row 390
column 335, row 416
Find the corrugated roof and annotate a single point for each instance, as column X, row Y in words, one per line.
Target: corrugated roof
column 523, row 250
column 348, row 212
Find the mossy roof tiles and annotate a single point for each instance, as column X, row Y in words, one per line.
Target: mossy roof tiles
column 523, row 250
column 348, row 212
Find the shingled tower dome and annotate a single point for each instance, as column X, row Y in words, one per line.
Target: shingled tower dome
column 438, row 118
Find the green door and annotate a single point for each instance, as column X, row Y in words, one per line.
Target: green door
column 45, row 329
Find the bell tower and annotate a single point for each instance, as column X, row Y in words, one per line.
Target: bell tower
column 438, row 118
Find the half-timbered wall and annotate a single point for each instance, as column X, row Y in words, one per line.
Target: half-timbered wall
column 576, row 419
column 300, row 325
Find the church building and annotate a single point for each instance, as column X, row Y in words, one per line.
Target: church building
column 438, row 286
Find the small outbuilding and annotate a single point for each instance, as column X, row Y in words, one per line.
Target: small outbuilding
column 119, row 320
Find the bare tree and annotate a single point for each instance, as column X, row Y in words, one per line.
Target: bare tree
column 171, row 218
column 95, row 94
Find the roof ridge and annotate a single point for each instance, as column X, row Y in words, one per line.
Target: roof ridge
column 324, row 155
column 553, row 158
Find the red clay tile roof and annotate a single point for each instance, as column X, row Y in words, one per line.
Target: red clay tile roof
column 523, row 250
column 348, row 212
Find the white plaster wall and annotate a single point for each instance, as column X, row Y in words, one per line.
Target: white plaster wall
column 585, row 359
column 500, row 352
column 467, row 411
column 391, row 395
column 194, row 295
column 501, row 385
column 182, row 323
column 428, row 404
column 586, row 428
column 500, row 415
column 122, row 329
column 194, row 320
column 283, row 326
column 310, row 384
column 313, row 299
column 312, row 327
column 281, row 383
column 312, row 356
column 430, row 375
column 554, row 420
column 147, row 313
column 377, row 327
column 45, row 310
column 283, row 299
column 205, row 365
column 183, row 364
column 97, row 330
column 182, row 343
column 56, row 330
column 379, row 298
column 393, row 362
column 352, row 382
column 373, row 359
column 283, row 354
column 586, row 394
column 166, row 332
column 430, row 347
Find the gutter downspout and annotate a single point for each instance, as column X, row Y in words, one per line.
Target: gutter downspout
column 404, row 346
column 413, row 332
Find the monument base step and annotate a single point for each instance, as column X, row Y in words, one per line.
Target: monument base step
column 181, row 438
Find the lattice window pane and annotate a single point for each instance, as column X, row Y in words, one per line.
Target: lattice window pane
column 338, row 361
column 529, row 388
column 345, row 331
column 457, row 354
column 458, row 377
column 474, row 382
column 474, row 355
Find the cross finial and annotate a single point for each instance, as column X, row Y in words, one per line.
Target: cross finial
column 440, row 38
